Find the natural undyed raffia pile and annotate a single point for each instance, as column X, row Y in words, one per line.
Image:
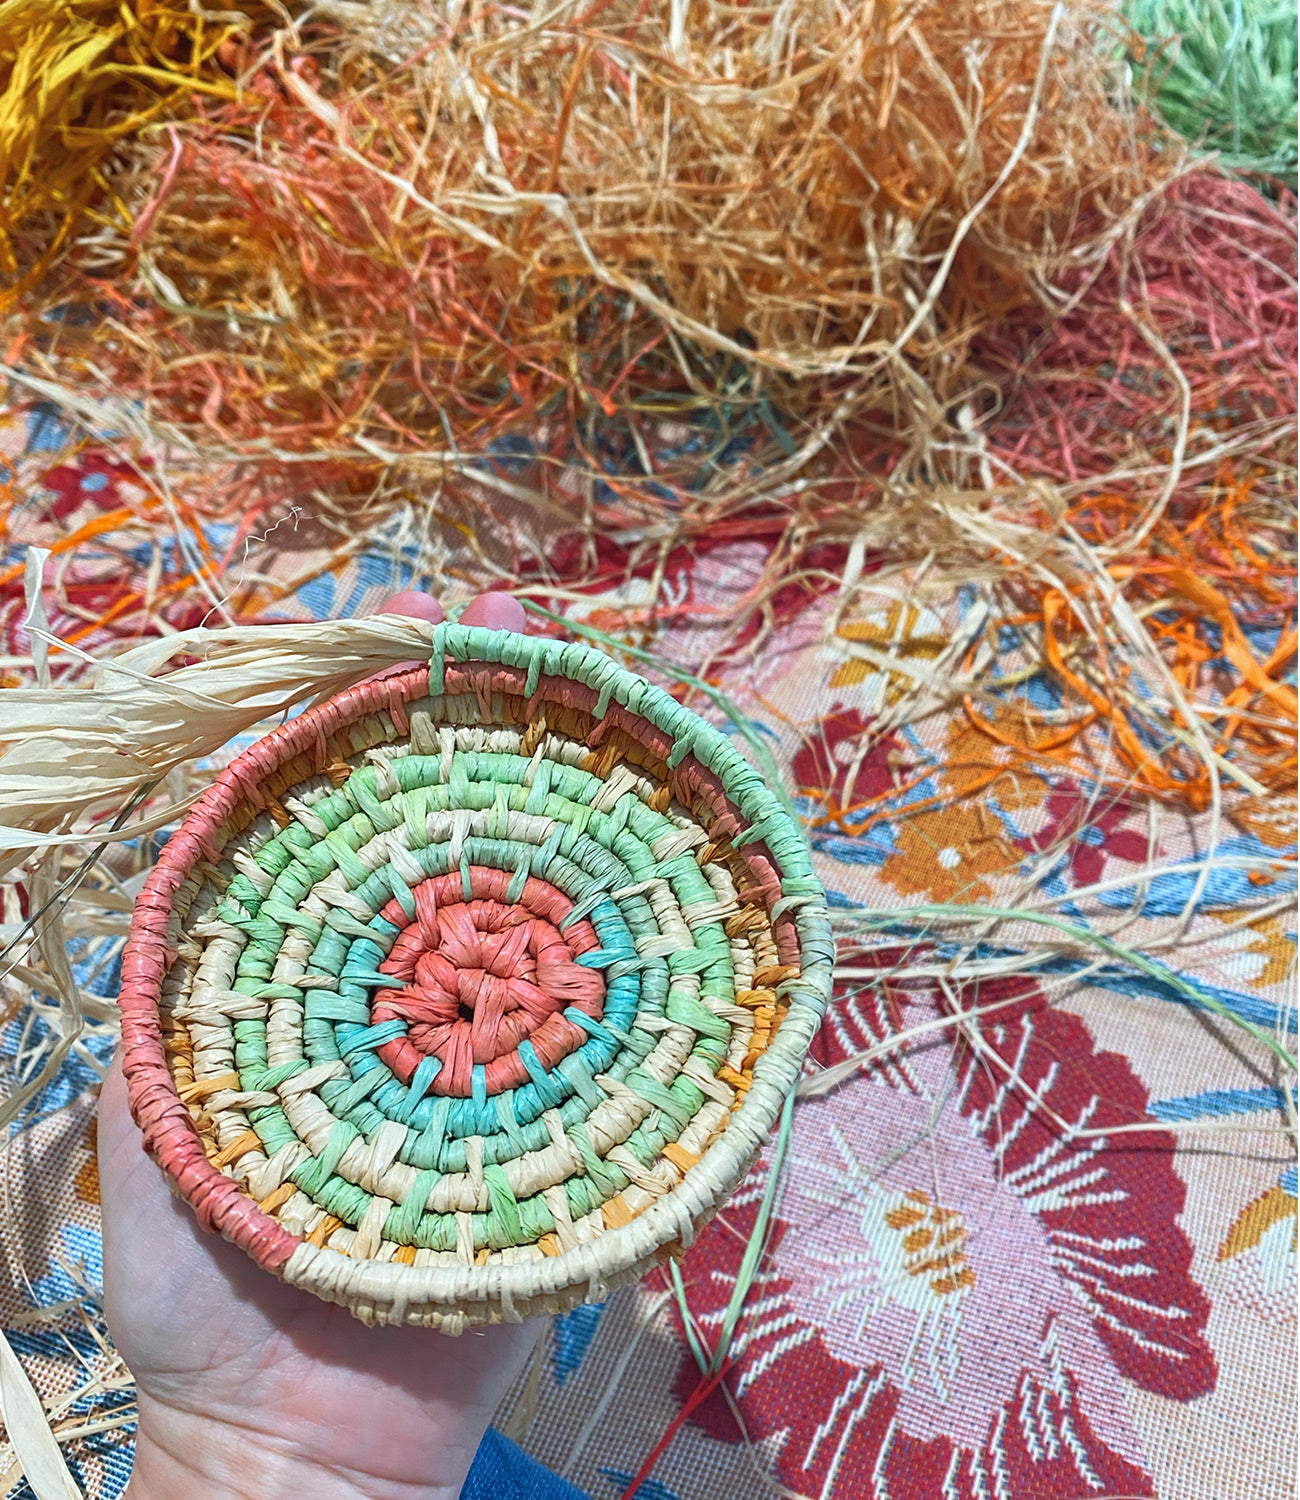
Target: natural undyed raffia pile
column 848, row 283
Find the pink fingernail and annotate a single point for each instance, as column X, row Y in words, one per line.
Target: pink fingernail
column 495, row 612
column 415, row 604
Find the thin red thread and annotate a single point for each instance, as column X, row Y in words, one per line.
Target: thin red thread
column 698, row 1395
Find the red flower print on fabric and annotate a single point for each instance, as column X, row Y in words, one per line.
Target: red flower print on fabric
column 91, row 479
column 1091, row 832
column 842, row 764
column 956, row 1285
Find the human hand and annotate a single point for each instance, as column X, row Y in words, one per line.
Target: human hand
column 251, row 1388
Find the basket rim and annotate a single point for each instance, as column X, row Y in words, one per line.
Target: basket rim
column 223, row 1204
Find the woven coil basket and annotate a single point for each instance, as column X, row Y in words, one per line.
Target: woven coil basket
column 470, row 994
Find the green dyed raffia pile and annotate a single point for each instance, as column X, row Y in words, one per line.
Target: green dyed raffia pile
column 1223, row 74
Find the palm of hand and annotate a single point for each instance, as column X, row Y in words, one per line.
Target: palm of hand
column 212, row 1338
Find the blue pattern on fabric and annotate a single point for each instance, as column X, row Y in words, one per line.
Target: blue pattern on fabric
column 97, row 965
column 73, row 1079
column 572, row 1336
column 316, row 596
column 872, row 848
column 732, row 729
column 47, row 431
column 651, row 1489
column 1167, row 895
column 85, row 1248
column 1244, row 1007
column 117, row 1458
column 1217, row 1102
column 501, row 1471
column 1040, row 692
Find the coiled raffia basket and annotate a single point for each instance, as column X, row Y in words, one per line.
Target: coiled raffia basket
column 470, row 994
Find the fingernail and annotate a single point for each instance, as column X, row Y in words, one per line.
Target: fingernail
column 415, row 604
column 495, row 612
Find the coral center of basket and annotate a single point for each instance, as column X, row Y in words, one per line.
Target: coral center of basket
column 485, row 983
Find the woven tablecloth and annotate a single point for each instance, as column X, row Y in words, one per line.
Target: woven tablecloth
column 1049, row 1252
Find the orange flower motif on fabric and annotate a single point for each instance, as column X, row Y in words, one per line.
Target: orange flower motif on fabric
column 934, row 1243
column 1264, row 950
column 86, row 1182
column 974, row 764
column 948, row 854
column 897, row 633
column 1259, row 1253
column 1272, row 824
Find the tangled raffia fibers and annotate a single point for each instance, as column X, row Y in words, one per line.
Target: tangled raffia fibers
column 1172, row 377
column 1142, row 457
column 77, row 78
column 905, row 285
column 1208, row 286
column 681, row 244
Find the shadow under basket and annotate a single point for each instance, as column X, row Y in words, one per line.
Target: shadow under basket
column 470, row 994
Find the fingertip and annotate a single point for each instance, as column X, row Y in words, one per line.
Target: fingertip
column 113, row 1091
column 114, row 1113
column 415, row 604
column 494, row 611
